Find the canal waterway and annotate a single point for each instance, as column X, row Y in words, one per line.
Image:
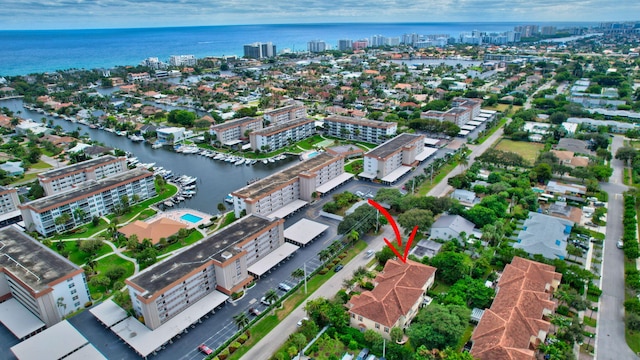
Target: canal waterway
column 216, row 179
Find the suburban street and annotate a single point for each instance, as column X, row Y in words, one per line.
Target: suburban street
column 610, row 339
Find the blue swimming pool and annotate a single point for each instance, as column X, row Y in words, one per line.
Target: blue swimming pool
column 191, row 218
column 313, row 154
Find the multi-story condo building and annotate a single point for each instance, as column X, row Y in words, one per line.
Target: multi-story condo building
column 9, row 200
column 234, row 131
column 282, row 134
column 138, row 76
column 344, row 44
column 290, row 189
column 360, row 44
column 44, row 283
column 371, row 131
column 218, row 262
column 92, row 198
column 394, row 158
column 259, row 50
column 182, row 60
column 317, row 46
column 170, row 135
column 69, row 177
column 462, row 111
column 286, row 113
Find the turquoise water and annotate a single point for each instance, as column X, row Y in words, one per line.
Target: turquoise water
column 190, row 218
column 313, row 154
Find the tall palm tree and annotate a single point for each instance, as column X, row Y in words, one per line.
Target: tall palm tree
column 241, row 320
column 324, row 255
column 271, row 296
column 297, row 274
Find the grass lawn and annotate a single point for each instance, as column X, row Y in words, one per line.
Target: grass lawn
column 228, row 219
column 428, row 185
column 528, row 150
column 354, row 167
column 297, row 297
column 75, row 255
column 41, row 165
column 102, row 266
column 193, row 237
column 503, row 108
column 328, row 347
column 309, row 143
column 589, row 321
column 493, row 129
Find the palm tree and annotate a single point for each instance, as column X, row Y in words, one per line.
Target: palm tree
column 297, row 273
column 324, row 255
column 241, row 320
column 353, row 237
column 78, row 213
column 271, row 296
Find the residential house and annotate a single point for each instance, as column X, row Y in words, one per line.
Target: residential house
column 12, row 168
column 449, row 227
column 559, row 188
column 465, row 197
column 399, row 292
column 170, row 135
column 544, row 235
column 425, row 247
column 517, row 321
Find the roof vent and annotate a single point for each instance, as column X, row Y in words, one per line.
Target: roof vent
column 227, row 255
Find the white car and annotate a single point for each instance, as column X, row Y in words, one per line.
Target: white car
column 620, row 244
column 303, row 319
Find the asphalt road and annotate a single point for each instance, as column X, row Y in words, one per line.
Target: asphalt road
column 610, row 340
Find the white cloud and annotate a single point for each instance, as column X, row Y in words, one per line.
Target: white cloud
column 18, row 14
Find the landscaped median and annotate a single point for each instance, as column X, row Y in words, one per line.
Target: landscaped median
column 632, row 275
column 271, row 317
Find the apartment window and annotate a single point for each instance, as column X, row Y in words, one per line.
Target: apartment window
column 76, row 304
column 74, row 291
column 359, row 318
column 75, row 297
column 386, row 329
column 377, row 326
column 72, row 285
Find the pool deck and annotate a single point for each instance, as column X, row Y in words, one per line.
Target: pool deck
column 178, row 213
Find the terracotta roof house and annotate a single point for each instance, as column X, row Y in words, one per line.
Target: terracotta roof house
column 515, row 325
column 399, row 291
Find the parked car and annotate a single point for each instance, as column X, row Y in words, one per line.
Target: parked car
column 264, row 301
column 254, row 311
column 619, row 244
column 363, row 354
column 205, row 349
column 302, row 320
column 369, row 254
column 338, row 267
column 284, row 287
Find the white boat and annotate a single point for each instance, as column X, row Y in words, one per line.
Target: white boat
column 136, row 138
column 188, row 180
column 239, row 162
column 271, row 160
column 179, row 198
column 156, row 146
column 168, row 203
column 189, row 187
column 219, row 156
column 229, row 199
column 188, row 192
column 265, row 161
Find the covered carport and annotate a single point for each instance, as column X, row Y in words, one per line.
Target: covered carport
column 274, row 258
column 303, row 232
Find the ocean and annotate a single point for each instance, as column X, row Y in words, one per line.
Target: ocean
column 36, row 51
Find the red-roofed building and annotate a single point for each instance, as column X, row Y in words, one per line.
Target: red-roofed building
column 399, row 291
column 515, row 324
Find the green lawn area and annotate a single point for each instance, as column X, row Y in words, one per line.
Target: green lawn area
column 41, row 165
column 75, row 255
column 296, row 298
column 102, row 266
column 193, row 237
column 493, row 130
column 466, row 336
column 228, row 219
column 428, row 184
column 503, row 108
column 309, row 143
column 528, row 150
column 354, row 167
column 328, row 347
column 589, row 321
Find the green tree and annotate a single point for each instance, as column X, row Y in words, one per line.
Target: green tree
column 241, row 320
column 90, row 247
column 451, row 266
column 114, row 272
column 297, row 273
column 438, row 326
column 396, row 334
column 416, row 217
column 472, row 292
column 271, row 296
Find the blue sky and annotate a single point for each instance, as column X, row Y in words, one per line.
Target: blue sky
column 78, row 14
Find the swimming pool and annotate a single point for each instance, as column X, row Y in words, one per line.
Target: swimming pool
column 191, row 218
column 312, row 155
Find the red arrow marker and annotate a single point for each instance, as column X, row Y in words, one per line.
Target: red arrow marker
column 407, row 246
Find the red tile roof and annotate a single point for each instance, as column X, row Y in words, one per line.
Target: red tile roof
column 398, row 288
column 508, row 330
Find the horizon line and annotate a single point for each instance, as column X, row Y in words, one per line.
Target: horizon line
column 527, row 22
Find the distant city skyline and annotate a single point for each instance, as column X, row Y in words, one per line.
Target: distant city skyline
column 86, row 14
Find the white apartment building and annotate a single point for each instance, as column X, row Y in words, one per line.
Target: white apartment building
column 9, row 200
column 218, row 262
column 92, row 198
column 285, row 114
column 394, row 158
column 462, row 111
column 366, row 130
column 170, row 135
column 232, row 132
column 282, row 134
column 138, row 76
column 68, row 177
column 290, row 189
column 47, row 286
column 182, row 60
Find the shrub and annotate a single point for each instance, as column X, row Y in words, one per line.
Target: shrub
column 353, row 345
column 237, row 295
column 594, row 290
column 323, row 271
column 563, row 310
column 224, row 354
column 234, row 346
column 368, row 285
column 88, row 304
column 242, row 338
